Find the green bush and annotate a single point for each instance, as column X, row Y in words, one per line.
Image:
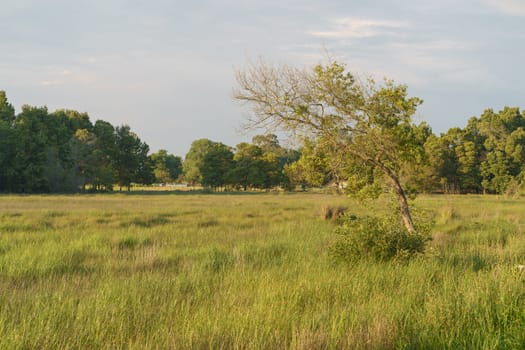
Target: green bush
column 378, row 238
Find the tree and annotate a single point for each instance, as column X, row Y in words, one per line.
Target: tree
column 8, row 144
column 321, row 164
column 63, row 151
column 275, row 158
column 193, row 160
column 7, row 111
column 215, row 165
column 74, row 120
column 503, row 136
column 174, row 166
column 415, row 174
column 268, row 143
column 31, row 158
column 131, row 160
column 166, row 167
column 370, row 123
column 84, row 156
column 105, row 150
column 249, row 170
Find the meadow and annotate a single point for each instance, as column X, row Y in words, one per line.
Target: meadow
column 252, row 271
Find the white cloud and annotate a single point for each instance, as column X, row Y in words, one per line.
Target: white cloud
column 359, row 28
column 510, row 7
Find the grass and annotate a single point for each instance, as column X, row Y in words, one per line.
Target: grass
column 251, row 272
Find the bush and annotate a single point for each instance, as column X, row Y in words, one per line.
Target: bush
column 378, row 238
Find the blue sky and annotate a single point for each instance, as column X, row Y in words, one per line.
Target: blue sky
column 166, row 68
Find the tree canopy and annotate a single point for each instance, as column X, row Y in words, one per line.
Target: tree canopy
column 370, row 123
column 63, row 151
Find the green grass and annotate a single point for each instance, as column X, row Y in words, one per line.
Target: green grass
column 251, row 272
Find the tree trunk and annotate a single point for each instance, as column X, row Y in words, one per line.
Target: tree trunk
column 404, row 209
column 403, row 204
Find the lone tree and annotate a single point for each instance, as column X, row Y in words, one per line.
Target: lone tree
column 367, row 122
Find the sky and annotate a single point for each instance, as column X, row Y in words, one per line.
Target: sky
column 167, row 67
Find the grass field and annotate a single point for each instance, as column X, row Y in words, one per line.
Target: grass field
column 251, row 271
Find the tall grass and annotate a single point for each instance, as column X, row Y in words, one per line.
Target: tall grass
column 251, row 272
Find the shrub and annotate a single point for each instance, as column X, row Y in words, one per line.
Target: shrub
column 378, row 238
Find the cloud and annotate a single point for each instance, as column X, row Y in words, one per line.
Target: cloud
column 509, row 7
column 359, row 28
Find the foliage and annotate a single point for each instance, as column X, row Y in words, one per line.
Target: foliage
column 64, row 152
column 215, row 165
column 193, row 160
column 486, row 156
column 7, row 111
column 167, row 167
column 317, row 165
column 131, row 160
column 257, row 165
column 249, row 169
column 261, row 164
column 377, row 237
column 366, row 122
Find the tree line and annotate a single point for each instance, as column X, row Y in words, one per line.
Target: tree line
column 258, row 165
column 64, row 151
column 486, row 156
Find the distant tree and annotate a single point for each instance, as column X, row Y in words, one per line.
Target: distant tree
column 45, row 162
column 167, row 167
column 415, row 174
column 105, row 151
column 63, row 151
column 268, row 143
column 504, row 142
column 191, row 168
column 74, row 120
column 442, row 168
column 313, row 167
column 30, row 164
column 7, row 111
column 174, row 166
column 9, row 143
column 131, row 162
column 271, row 158
column 216, row 165
column 369, row 123
column 85, row 157
column 106, row 139
column 249, row 169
